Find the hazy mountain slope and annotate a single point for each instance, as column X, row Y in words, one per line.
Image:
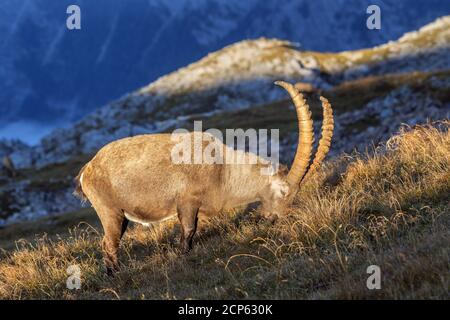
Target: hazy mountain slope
column 51, row 76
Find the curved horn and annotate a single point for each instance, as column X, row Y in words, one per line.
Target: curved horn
column 305, row 132
column 325, row 140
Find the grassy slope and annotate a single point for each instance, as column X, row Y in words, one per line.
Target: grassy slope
column 389, row 209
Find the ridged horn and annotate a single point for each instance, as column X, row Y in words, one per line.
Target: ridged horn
column 305, row 133
column 325, row 140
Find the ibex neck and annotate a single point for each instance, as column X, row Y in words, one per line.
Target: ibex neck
column 242, row 184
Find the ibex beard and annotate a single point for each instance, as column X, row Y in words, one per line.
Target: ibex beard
column 135, row 179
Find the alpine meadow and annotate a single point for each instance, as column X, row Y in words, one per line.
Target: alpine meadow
column 323, row 134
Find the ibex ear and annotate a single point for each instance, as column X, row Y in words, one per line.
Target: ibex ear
column 283, row 169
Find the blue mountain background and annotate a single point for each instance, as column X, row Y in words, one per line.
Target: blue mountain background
column 51, row 76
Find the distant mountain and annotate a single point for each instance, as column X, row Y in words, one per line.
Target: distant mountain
column 50, row 76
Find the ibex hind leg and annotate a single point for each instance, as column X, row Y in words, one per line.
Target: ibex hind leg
column 188, row 216
column 114, row 226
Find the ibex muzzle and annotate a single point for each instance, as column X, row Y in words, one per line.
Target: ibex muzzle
column 135, row 179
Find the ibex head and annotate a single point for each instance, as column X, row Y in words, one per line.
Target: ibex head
column 285, row 185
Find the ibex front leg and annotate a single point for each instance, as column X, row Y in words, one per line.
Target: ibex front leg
column 187, row 214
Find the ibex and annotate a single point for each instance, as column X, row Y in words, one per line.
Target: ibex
column 135, row 179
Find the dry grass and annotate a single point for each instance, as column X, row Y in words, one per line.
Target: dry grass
column 390, row 208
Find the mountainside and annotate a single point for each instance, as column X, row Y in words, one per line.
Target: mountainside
column 51, row 76
column 373, row 91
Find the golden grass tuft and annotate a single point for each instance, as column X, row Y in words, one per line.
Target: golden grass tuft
column 389, row 208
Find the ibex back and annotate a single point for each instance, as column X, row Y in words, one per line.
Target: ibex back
column 135, row 179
